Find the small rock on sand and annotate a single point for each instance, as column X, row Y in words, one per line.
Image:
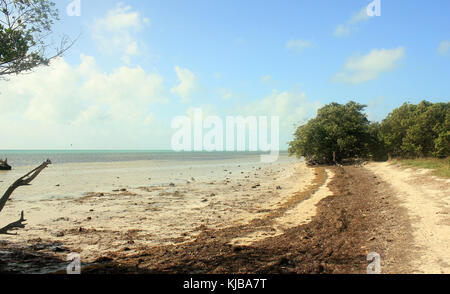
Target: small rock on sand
column 59, row 234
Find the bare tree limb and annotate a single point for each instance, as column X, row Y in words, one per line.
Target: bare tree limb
column 23, row 181
column 15, row 225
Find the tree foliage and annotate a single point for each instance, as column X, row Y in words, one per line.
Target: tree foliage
column 421, row 130
column 409, row 131
column 25, row 26
column 340, row 129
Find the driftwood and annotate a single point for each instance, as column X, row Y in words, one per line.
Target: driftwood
column 23, row 181
column 14, row 225
column 4, row 164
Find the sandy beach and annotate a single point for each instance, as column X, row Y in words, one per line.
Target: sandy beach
column 224, row 138
column 144, row 203
column 227, row 216
column 427, row 201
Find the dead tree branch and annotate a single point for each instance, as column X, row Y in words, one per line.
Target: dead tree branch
column 23, row 181
column 15, row 225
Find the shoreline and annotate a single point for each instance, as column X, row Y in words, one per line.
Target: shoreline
column 322, row 220
column 140, row 212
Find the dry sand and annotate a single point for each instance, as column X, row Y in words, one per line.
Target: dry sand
column 427, row 200
column 300, row 214
column 128, row 205
column 139, row 211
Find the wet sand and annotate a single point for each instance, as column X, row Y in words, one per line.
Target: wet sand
column 233, row 217
column 359, row 216
column 128, row 205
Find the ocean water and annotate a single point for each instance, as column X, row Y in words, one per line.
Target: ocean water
column 74, row 173
column 35, row 157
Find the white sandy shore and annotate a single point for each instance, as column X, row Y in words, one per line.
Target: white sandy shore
column 300, row 214
column 427, row 200
column 129, row 204
column 102, row 208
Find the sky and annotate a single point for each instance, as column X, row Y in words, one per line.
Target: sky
column 137, row 65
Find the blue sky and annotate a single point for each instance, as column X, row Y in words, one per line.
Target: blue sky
column 138, row 64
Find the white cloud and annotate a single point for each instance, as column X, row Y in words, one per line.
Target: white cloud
column 351, row 25
column 292, row 107
column 207, row 110
column 61, row 94
column 225, row 93
column 298, row 45
column 187, row 83
column 444, row 47
column 266, row 78
column 341, row 30
column 116, row 33
column 60, row 105
column 149, row 119
column 362, row 69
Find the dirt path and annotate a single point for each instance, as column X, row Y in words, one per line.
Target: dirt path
column 427, row 200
